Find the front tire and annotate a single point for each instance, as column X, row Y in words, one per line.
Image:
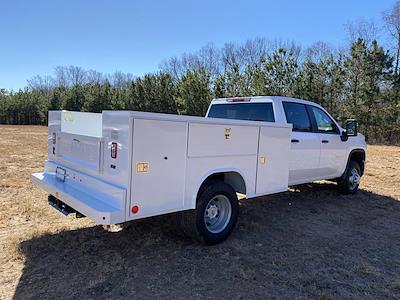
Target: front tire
column 351, row 179
column 215, row 216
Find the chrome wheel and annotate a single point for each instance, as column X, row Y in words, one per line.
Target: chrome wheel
column 354, row 179
column 217, row 213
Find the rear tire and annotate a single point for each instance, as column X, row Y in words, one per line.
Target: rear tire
column 350, row 181
column 215, row 216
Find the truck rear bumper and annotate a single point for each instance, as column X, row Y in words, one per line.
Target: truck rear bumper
column 95, row 206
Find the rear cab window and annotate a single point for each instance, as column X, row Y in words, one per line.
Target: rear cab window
column 263, row 112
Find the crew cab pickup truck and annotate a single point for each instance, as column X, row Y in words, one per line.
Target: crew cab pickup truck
column 119, row 166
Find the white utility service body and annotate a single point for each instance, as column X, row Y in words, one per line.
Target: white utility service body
column 119, row 166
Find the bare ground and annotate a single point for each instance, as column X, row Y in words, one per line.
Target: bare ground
column 310, row 242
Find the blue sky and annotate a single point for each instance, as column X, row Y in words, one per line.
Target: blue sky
column 135, row 36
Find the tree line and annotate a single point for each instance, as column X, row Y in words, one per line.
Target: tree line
column 361, row 80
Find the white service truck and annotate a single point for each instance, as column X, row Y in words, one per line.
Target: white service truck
column 119, row 166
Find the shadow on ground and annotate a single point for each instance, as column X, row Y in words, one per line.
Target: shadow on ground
column 311, row 242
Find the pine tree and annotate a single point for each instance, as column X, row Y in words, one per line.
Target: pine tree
column 194, row 93
column 281, row 72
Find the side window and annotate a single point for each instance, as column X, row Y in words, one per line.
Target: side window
column 324, row 122
column 296, row 113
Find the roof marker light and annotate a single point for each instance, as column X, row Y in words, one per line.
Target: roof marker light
column 238, row 99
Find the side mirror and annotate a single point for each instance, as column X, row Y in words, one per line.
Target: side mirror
column 351, row 129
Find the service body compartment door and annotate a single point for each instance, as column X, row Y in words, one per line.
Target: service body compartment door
column 273, row 160
column 212, row 140
column 158, row 170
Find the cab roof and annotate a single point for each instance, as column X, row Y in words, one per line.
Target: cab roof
column 261, row 99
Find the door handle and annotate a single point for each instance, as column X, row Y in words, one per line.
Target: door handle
column 295, row 141
column 325, row 141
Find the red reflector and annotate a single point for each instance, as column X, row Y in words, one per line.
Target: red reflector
column 114, row 149
column 135, row 209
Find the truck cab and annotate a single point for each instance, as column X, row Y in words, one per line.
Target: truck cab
column 320, row 147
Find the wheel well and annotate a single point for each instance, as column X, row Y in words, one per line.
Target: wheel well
column 234, row 179
column 358, row 156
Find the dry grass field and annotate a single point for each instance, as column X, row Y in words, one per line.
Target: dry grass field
column 310, row 242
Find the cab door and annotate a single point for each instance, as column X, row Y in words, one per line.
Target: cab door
column 305, row 145
column 333, row 153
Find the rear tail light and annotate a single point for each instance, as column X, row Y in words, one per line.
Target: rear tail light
column 114, row 150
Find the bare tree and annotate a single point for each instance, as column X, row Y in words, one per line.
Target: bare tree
column 364, row 29
column 172, row 66
column 253, row 50
column 230, row 56
column 76, row 75
column 320, row 51
column 42, row 84
column 61, row 79
column 207, row 58
column 291, row 46
column 120, row 79
column 392, row 21
column 94, row 76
